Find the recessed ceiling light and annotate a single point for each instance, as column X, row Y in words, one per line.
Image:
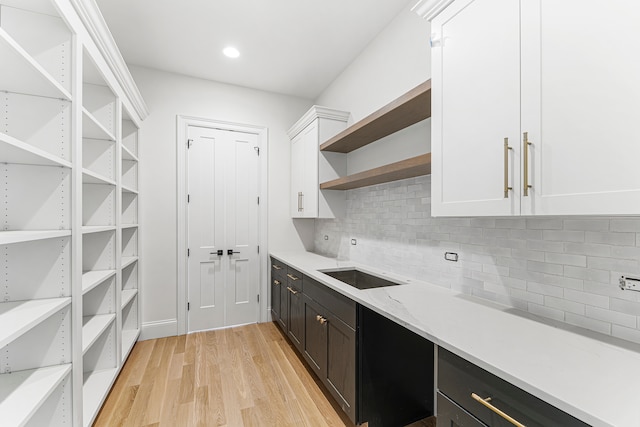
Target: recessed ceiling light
column 231, row 52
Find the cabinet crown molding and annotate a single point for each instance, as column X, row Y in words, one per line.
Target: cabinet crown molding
column 429, row 9
column 316, row 112
column 95, row 24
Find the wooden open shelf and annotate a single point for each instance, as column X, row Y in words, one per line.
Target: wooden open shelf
column 410, row 108
column 409, row 168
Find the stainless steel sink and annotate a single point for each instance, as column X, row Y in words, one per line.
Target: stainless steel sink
column 359, row 279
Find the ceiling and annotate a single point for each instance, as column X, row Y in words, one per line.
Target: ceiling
column 293, row 47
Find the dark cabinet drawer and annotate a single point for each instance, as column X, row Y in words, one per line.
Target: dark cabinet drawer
column 294, row 279
column 459, row 380
column 278, row 269
column 343, row 307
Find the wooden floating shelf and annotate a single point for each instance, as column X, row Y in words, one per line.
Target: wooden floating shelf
column 409, row 168
column 410, row 108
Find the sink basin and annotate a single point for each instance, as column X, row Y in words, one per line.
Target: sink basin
column 359, row 279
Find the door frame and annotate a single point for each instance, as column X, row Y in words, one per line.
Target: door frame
column 183, row 123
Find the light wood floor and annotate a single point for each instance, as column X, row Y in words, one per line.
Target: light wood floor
column 245, row 376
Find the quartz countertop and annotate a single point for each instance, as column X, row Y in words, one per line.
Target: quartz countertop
column 594, row 380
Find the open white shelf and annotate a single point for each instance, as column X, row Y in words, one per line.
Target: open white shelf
column 125, row 226
column 13, row 150
column 128, row 260
column 19, row 236
column 129, row 338
column 23, row 392
column 91, row 279
column 18, row 317
column 90, row 177
column 93, row 327
column 127, row 296
column 94, row 391
column 21, row 73
column 129, row 190
column 88, row 229
column 128, row 155
column 93, row 129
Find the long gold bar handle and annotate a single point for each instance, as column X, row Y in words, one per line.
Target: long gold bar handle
column 486, row 403
column 525, row 147
column 506, row 168
column 292, row 277
column 293, row 291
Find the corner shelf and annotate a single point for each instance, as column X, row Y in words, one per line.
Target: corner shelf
column 20, row 73
column 410, row 108
column 91, row 279
column 22, row 393
column 127, row 296
column 96, row 386
column 18, row 317
column 409, row 168
column 93, row 327
column 13, row 150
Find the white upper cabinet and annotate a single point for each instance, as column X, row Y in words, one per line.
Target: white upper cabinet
column 580, row 106
column 557, row 82
column 310, row 167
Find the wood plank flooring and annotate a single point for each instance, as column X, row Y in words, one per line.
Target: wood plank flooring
column 245, row 376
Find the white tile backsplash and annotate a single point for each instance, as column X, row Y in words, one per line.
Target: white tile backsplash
column 562, row 268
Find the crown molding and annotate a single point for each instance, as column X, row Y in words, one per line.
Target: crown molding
column 316, row 112
column 96, row 26
column 429, row 9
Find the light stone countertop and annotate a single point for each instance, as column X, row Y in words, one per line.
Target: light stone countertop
column 594, row 380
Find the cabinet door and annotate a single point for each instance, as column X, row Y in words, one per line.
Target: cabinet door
column 315, row 337
column 304, row 173
column 341, row 364
column 580, row 106
column 276, row 288
column 283, row 319
column 296, row 317
column 476, row 105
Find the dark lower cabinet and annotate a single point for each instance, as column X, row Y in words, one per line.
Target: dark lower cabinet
column 465, row 384
column 295, row 326
column 315, row 337
column 451, row 415
column 276, row 288
column 341, row 364
column 283, row 319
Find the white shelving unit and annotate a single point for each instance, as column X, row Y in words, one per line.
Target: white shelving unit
column 69, row 315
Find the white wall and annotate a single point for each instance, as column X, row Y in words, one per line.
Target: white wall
column 396, row 61
column 168, row 95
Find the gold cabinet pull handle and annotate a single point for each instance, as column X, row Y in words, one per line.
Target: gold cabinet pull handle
column 318, row 317
column 293, row 291
column 292, row 277
column 486, row 403
column 322, row 320
column 276, row 267
column 277, row 282
column 525, row 148
column 506, row 168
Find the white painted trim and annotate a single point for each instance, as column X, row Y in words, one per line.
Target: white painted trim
column 317, row 112
column 158, row 329
column 429, row 9
column 183, row 123
column 96, row 26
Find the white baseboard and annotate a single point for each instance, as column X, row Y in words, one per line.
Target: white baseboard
column 159, row 329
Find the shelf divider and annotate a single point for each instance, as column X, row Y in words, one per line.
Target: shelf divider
column 15, row 151
column 20, row 236
column 410, row 108
column 409, row 168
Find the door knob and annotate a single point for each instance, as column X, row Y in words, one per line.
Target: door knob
column 231, row 252
column 220, row 252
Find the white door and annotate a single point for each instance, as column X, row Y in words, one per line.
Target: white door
column 223, row 270
column 476, row 105
column 580, row 106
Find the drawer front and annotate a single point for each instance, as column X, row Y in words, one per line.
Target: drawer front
column 451, row 415
column 278, row 269
column 294, row 279
column 458, row 379
column 341, row 306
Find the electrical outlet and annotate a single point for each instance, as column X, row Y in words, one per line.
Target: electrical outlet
column 354, row 242
column 629, row 284
column 326, row 237
column 451, row 256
